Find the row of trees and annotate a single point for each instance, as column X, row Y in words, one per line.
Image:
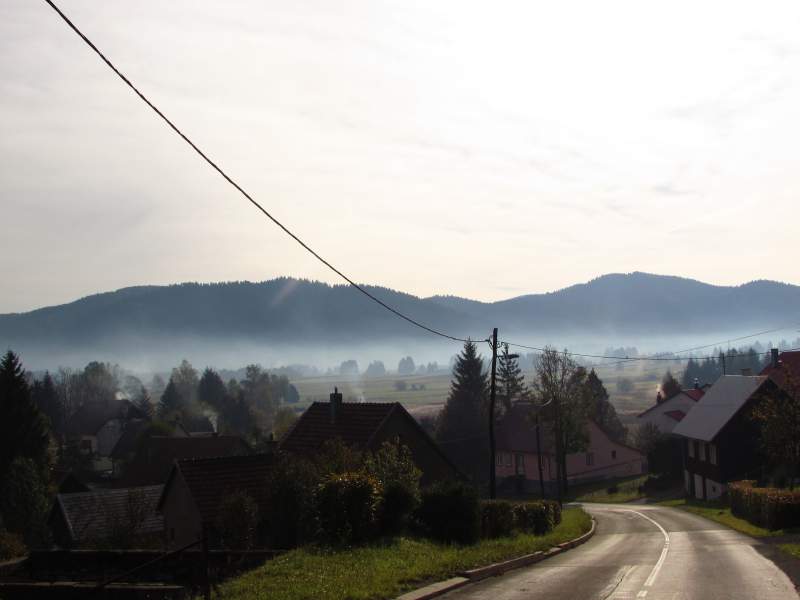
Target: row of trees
column 563, row 394
column 376, row 368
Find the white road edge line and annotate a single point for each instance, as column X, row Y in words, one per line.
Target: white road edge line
column 654, row 573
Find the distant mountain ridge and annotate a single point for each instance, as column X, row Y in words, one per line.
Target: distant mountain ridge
column 287, row 310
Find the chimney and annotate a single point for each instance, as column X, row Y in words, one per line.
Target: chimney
column 336, row 404
column 774, row 354
column 696, row 383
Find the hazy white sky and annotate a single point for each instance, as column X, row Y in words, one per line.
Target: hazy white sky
column 483, row 149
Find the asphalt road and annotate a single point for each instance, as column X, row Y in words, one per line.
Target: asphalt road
column 643, row 552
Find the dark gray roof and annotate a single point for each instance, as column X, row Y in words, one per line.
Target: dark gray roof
column 718, row 406
column 91, row 416
column 94, row 515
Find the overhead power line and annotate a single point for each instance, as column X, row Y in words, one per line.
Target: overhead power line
column 242, row 191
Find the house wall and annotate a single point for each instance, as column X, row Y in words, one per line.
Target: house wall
column 608, row 459
column 433, row 465
column 657, row 415
column 182, row 523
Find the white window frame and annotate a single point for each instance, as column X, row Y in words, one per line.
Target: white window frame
column 712, row 454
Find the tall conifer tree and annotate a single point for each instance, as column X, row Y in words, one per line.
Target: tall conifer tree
column 510, row 380
column 462, row 427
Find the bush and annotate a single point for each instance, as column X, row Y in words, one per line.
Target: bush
column 11, row 546
column 450, row 512
column 397, row 505
column 24, row 501
column 290, row 512
column 537, row 518
column 394, row 469
column 497, row 518
column 347, row 506
column 772, row 508
column 237, row 521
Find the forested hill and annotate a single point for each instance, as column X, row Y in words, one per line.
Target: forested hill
column 289, row 311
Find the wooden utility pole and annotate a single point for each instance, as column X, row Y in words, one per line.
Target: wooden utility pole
column 492, row 393
column 539, row 454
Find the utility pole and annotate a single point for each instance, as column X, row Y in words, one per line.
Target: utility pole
column 492, row 393
column 539, row 454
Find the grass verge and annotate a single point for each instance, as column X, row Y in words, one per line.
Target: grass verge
column 626, row 490
column 793, row 549
column 385, row 570
column 720, row 513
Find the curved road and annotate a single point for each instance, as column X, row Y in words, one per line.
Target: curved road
column 644, row 552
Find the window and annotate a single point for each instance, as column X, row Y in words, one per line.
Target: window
column 498, row 460
column 690, row 448
column 508, row 459
column 589, row 459
column 171, row 534
column 520, row 463
column 613, row 455
column 712, row 457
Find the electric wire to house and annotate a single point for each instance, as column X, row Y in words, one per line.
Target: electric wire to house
column 242, row 191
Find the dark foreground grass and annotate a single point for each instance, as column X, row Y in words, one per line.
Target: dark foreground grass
column 386, row 570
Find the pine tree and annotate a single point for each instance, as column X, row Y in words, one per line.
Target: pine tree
column 510, row 381
column 669, row 386
column 143, row 403
column 171, row 403
column 211, row 389
column 24, row 431
column 601, row 409
column 45, row 396
column 462, row 429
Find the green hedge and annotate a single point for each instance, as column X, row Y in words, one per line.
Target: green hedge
column 347, row 506
column 450, row 512
column 772, row 508
column 502, row 517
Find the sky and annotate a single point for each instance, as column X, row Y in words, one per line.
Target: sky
column 483, row 149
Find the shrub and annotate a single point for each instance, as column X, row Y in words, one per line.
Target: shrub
column 614, row 489
column 237, row 521
column 290, row 511
column 497, row 518
column 536, row 517
column 394, row 469
column 772, row 508
column 450, row 512
column 11, row 546
column 397, row 505
column 24, row 501
column 347, row 506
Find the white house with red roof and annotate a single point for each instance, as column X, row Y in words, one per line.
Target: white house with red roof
column 668, row 413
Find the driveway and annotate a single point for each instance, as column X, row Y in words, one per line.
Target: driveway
column 647, row 553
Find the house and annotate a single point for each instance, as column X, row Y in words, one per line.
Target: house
column 96, row 427
column 157, row 454
column 517, row 455
column 720, row 439
column 784, row 369
column 130, row 441
column 102, row 517
column 195, row 488
column 668, row 413
column 365, row 426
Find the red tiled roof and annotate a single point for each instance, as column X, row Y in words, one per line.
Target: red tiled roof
column 210, row 479
column 355, row 425
column 157, row 454
column 695, row 393
column 675, row 414
column 787, row 362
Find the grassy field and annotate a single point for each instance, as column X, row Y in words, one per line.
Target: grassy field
column 632, row 396
column 385, row 570
column 627, row 490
